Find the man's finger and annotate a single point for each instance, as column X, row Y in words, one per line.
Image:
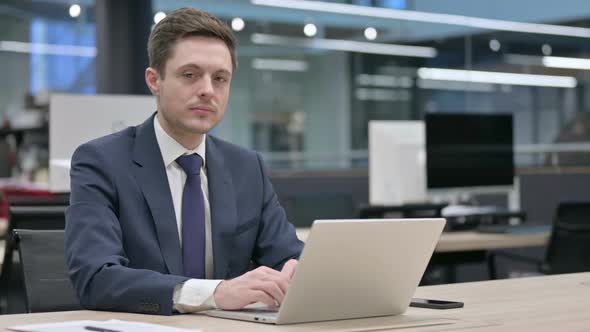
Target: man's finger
column 289, row 268
column 272, row 289
column 261, row 296
column 278, row 278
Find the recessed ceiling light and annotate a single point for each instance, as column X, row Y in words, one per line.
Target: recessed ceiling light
column 495, row 45
column 238, row 24
column 75, row 10
column 159, row 16
column 310, row 30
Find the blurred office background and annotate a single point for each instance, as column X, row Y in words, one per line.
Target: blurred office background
column 311, row 76
column 303, row 94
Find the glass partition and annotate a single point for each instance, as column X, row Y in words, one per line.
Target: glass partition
column 312, row 74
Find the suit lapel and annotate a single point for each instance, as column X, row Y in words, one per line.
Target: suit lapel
column 224, row 214
column 151, row 177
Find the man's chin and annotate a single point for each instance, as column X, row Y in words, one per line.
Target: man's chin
column 198, row 128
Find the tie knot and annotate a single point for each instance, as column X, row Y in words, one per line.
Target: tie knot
column 191, row 163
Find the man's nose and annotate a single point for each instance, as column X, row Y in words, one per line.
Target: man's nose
column 205, row 89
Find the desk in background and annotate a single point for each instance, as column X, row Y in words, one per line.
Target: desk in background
column 459, row 217
column 471, row 247
column 473, row 241
column 547, row 303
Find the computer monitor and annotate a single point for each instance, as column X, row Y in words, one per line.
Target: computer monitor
column 77, row 119
column 397, row 170
column 466, row 150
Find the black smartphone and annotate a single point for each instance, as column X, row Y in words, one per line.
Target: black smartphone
column 435, row 304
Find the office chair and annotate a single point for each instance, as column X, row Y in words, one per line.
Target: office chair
column 47, row 285
column 302, row 210
column 24, row 199
column 568, row 250
column 26, row 217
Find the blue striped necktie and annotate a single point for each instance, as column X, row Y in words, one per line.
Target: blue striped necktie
column 193, row 217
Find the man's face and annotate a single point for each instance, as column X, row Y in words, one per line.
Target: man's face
column 193, row 95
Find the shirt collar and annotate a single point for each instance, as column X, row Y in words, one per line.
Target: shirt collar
column 171, row 149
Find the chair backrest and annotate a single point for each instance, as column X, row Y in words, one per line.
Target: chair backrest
column 30, row 217
column 46, row 216
column 47, row 285
column 53, row 199
column 37, row 217
column 302, row 210
column 569, row 247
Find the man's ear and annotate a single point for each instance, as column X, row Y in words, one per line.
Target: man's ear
column 152, row 79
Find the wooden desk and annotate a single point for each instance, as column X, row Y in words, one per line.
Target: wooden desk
column 471, row 240
column 549, row 303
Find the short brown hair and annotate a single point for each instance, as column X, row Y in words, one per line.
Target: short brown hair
column 186, row 22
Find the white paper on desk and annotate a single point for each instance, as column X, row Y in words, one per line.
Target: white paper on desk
column 113, row 324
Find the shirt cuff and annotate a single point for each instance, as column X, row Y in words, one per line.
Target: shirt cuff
column 195, row 295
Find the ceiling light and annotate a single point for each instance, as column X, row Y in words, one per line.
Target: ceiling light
column 159, row 16
column 439, row 74
column 53, row 49
column 495, row 45
column 310, row 30
column 418, row 16
column 345, row 45
column 371, row 33
column 455, row 86
column 75, row 10
column 569, row 63
column 279, row 65
column 238, row 24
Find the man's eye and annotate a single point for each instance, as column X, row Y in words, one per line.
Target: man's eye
column 221, row 79
column 188, row 75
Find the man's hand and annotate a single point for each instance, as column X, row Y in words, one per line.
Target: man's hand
column 289, row 268
column 260, row 285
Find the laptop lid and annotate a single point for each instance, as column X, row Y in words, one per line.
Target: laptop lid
column 359, row 268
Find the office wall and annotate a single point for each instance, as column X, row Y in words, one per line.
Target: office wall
column 327, row 98
column 14, row 84
column 541, row 193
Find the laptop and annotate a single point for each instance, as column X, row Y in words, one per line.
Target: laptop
column 353, row 269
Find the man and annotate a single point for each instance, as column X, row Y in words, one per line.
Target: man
column 164, row 217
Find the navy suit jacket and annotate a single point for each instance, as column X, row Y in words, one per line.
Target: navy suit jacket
column 121, row 240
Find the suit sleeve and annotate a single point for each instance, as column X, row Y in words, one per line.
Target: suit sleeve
column 277, row 241
column 94, row 249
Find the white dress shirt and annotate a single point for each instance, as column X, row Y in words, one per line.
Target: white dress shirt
column 194, row 294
